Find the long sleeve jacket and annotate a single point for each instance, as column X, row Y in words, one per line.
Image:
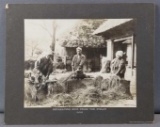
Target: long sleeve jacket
column 78, row 61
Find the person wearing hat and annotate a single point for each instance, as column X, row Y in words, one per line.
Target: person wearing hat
column 118, row 67
column 45, row 64
column 78, row 62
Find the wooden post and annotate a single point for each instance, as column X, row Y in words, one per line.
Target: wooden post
column 109, row 49
column 133, row 51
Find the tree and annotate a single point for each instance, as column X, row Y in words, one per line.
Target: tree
column 52, row 34
column 81, row 35
column 31, row 48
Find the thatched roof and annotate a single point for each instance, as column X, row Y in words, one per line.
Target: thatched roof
column 92, row 42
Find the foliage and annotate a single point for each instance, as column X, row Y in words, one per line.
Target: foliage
column 82, row 36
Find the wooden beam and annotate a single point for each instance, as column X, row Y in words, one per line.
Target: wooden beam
column 133, row 45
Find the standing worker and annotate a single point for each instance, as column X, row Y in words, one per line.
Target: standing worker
column 77, row 63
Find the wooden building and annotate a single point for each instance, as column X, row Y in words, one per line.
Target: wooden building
column 119, row 34
column 93, row 48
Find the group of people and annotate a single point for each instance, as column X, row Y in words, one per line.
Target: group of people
column 117, row 66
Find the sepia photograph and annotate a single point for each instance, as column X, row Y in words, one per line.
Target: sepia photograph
column 80, row 63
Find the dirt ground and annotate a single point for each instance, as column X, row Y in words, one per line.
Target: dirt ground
column 51, row 102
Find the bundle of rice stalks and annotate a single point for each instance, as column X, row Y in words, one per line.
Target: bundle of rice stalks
column 89, row 96
column 116, row 88
column 63, row 99
column 54, row 87
column 97, row 81
column 34, row 94
column 73, row 85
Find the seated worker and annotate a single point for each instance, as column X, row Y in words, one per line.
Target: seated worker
column 77, row 64
column 118, row 67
